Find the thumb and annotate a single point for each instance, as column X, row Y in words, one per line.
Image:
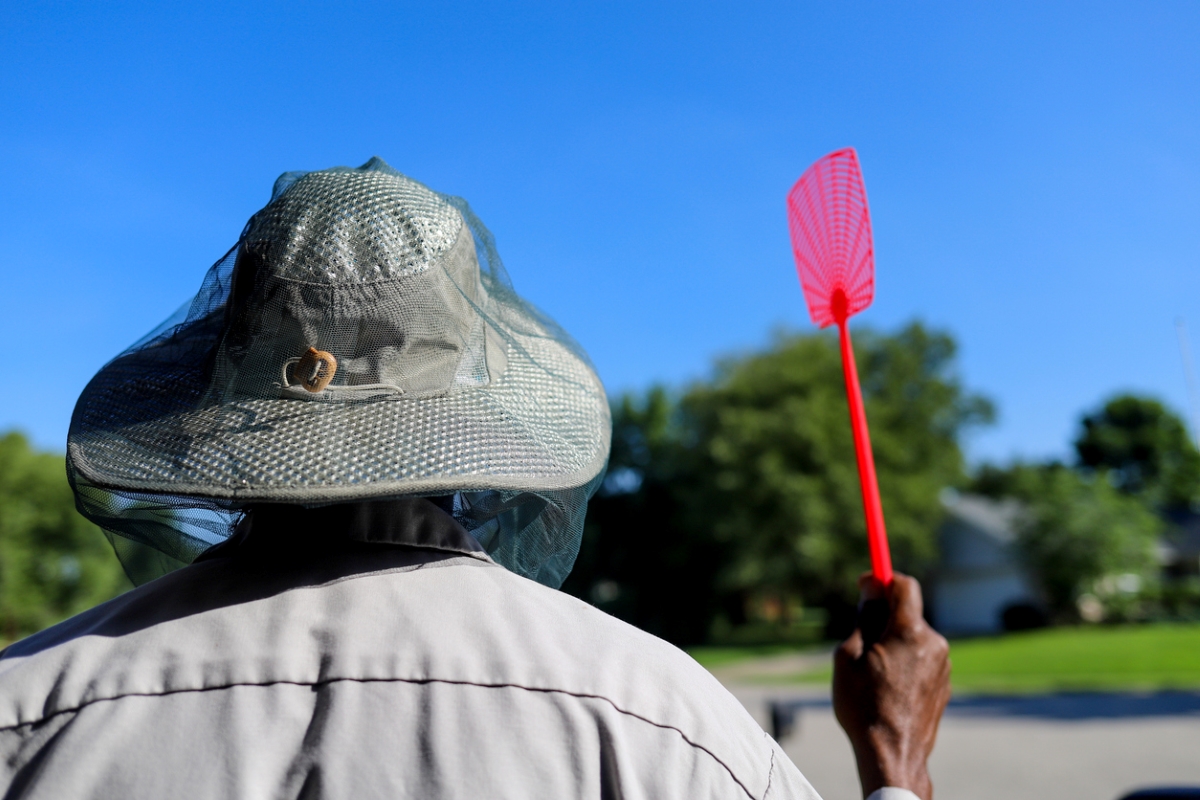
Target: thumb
column 908, row 606
column 869, row 587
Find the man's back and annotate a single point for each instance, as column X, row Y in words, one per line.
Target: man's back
column 395, row 672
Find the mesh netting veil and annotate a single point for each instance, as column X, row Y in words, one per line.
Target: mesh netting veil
column 429, row 376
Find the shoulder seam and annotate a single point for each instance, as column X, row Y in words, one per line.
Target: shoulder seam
column 541, row 689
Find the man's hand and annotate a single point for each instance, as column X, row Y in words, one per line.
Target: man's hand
column 889, row 696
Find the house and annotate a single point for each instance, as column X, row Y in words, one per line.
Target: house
column 980, row 585
column 1179, row 551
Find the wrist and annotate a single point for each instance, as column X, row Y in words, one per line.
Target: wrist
column 887, row 764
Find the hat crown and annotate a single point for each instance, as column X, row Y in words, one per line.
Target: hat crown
column 353, row 226
column 369, row 266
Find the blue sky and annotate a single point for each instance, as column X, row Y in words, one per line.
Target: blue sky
column 1033, row 172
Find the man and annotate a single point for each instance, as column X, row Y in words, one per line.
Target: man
column 375, row 459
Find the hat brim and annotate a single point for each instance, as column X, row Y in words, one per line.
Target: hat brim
column 543, row 425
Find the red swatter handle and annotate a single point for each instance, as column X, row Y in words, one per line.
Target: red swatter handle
column 881, row 557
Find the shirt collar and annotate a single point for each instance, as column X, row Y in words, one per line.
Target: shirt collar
column 403, row 521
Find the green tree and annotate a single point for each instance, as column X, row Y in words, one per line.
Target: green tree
column 1078, row 530
column 776, row 471
column 1144, row 448
column 747, row 483
column 53, row 563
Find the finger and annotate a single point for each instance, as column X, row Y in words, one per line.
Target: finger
column 907, row 604
column 849, row 650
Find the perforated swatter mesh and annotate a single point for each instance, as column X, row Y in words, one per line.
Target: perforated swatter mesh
column 831, row 238
column 446, row 383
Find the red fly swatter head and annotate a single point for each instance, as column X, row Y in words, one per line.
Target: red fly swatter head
column 831, row 238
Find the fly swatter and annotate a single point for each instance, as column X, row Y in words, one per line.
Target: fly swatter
column 831, row 239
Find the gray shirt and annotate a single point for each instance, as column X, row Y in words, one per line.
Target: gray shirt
column 412, row 669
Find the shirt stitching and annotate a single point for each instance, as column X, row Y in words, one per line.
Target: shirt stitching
column 770, row 773
column 328, row 681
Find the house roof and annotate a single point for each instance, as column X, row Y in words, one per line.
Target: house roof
column 995, row 518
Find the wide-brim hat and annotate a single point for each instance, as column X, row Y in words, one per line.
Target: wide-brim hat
column 350, row 346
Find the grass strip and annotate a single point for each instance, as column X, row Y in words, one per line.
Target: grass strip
column 1092, row 658
column 1133, row 657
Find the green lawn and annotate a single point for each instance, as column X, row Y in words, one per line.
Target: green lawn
column 1161, row 656
column 1134, row 657
column 720, row 656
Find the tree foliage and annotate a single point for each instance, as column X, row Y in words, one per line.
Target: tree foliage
column 747, row 483
column 53, row 563
column 775, row 465
column 1144, row 448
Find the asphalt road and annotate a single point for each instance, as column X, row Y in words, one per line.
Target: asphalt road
column 1082, row 746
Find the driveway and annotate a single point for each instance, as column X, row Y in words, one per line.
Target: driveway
column 1079, row 746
